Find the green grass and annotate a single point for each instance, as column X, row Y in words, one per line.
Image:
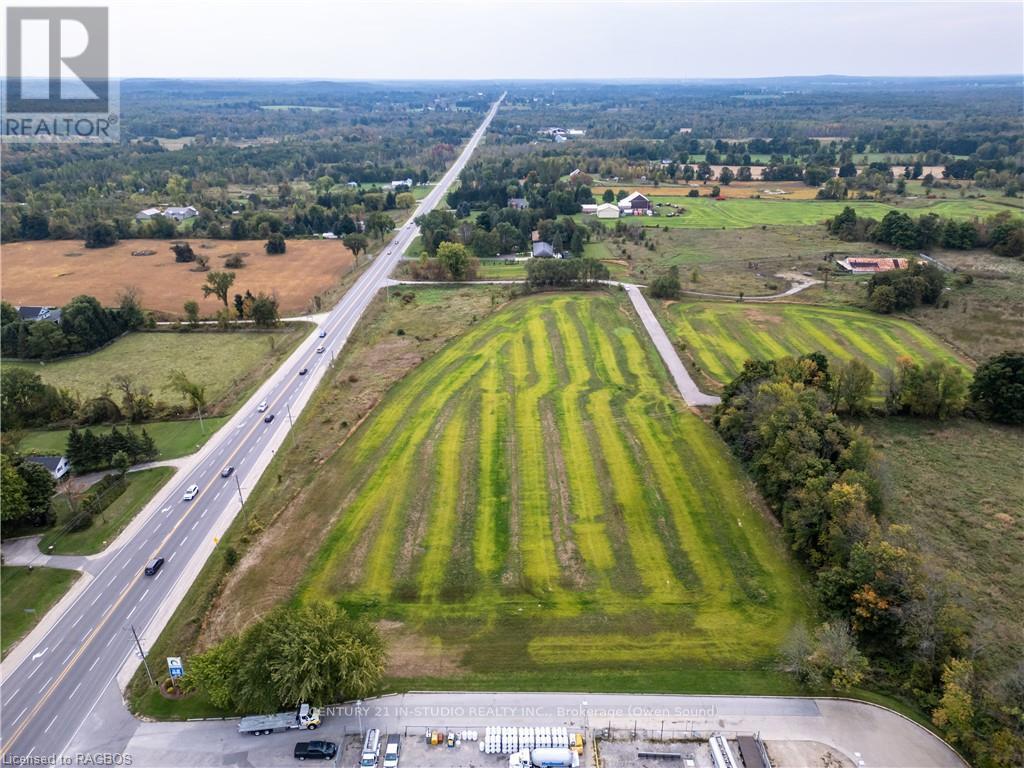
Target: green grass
column 499, row 270
column 173, row 438
column 563, row 511
column 957, row 484
column 705, row 213
column 142, row 486
column 716, row 338
column 25, row 595
column 224, row 363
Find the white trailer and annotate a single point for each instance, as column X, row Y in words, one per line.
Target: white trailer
column 544, row 757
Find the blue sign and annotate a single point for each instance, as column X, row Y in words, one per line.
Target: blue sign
column 174, row 666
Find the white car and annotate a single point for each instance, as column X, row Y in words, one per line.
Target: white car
column 320, row 349
column 261, row 407
column 191, row 492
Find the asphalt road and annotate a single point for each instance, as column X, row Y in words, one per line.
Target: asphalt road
column 56, row 677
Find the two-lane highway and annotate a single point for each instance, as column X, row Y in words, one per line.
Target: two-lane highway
column 51, row 685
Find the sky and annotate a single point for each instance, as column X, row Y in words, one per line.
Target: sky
column 559, row 39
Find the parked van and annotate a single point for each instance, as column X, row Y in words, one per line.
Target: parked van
column 391, row 749
column 371, row 749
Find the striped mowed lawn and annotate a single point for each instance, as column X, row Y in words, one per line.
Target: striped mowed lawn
column 707, row 213
column 534, row 495
column 719, row 337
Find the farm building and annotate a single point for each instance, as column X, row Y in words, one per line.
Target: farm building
column 31, row 314
column 635, row 201
column 57, row 465
column 607, row 211
column 147, row 214
column 518, row 203
column 542, row 250
column 589, row 208
column 401, row 183
column 865, row 265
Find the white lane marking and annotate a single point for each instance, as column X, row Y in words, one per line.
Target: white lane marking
column 109, row 641
column 202, row 515
column 30, row 753
column 94, row 663
column 47, row 728
column 194, row 525
column 97, row 598
column 143, row 595
column 131, row 612
column 157, row 575
column 46, row 684
column 77, row 620
column 19, row 715
column 70, row 654
column 183, row 541
column 172, row 556
column 30, row 674
column 126, row 564
column 75, row 691
column 15, row 693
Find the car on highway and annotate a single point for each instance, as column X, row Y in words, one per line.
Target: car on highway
column 227, row 471
column 315, row 750
column 154, row 566
column 261, row 407
column 320, row 349
column 268, row 418
column 304, row 371
column 323, row 334
column 191, row 492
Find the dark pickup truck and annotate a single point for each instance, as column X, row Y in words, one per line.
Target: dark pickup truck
column 316, row 750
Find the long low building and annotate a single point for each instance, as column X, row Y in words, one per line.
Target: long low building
column 870, row 264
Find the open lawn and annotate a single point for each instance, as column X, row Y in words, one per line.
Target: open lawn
column 25, row 595
column 560, row 511
column 228, row 364
column 107, row 524
column 958, row 485
column 704, row 212
column 173, row 438
column 52, row 272
column 717, row 337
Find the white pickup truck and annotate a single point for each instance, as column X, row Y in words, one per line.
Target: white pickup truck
column 306, row 717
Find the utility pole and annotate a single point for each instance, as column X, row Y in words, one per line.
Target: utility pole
column 142, row 654
column 238, row 484
column 200, row 412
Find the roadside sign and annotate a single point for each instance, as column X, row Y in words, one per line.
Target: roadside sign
column 174, row 666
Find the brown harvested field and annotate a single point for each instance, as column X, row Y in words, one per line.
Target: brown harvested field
column 50, row 272
column 793, row 190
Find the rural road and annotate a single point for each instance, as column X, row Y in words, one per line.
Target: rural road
column 877, row 737
column 53, row 681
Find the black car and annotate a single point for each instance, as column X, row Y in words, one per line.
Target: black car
column 268, row 418
column 154, row 566
column 315, row 750
column 227, row 471
column 304, row 371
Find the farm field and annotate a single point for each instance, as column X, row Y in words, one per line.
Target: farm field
column 795, row 190
column 172, row 438
column 227, row 363
column 25, row 596
column 110, row 522
column 51, row 272
column 956, row 484
column 704, row 212
column 562, row 510
column 717, row 337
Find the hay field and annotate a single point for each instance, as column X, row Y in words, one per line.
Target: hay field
column 533, row 498
column 716, row 338
column 51, row 272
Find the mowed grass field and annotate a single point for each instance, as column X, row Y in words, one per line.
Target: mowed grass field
column 705, row 212
column 52, row 272
column 533, row 498
column 717, row 337
column 224, row 363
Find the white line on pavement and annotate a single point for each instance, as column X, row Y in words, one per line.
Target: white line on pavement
column 172, row 555
column 77, row 620
column 11, row 696
column 131, row 612
column 72, row 653
column 75, row 691
column 46, row 684
column 19, row 715
column 47, row 728
column 95, row 662
column 143, row 595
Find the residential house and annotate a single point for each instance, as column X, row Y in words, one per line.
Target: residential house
column 147, row 214
column 401, row 183
column 31, row 314
column 860, row 265
column 519, row 203
column 180, row 214
column 575, row 174
column 607, row 211
column 542, row 250
column 57, row 465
